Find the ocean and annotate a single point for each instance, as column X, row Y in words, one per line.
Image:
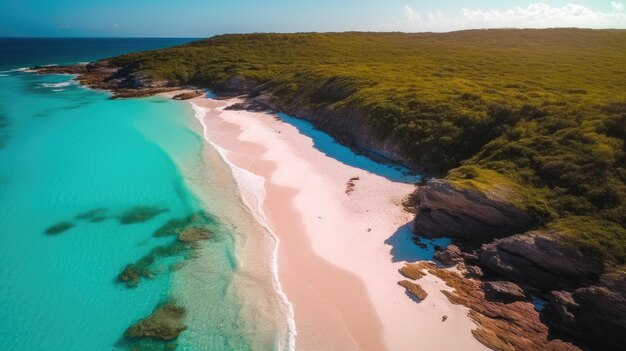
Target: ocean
column 94, row 194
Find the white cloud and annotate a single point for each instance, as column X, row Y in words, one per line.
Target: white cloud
column 413, row 19
column 115, row 25
column 537, row 15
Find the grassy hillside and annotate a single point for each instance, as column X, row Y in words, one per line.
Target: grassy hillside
column 539, row 113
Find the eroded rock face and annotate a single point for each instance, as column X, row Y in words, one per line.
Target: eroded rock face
column 165, row 323
column 595, row 313
column 538, row 261
column 449, row 256
column 445, row 211
column 502, row 326
column 503, row 291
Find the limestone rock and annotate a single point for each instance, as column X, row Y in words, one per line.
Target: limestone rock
column 412, row 271
column 414, row 289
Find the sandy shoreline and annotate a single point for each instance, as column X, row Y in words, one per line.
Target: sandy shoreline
column 333, row 263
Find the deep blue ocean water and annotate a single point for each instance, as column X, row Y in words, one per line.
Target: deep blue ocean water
column 66, row 151
column 28, row 52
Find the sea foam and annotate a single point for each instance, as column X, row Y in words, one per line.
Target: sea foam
column 254, row 186
column 56, row 85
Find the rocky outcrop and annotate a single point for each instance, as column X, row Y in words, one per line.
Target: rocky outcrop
column 414, row 289
column 539, row 261
column 165, row 323
column 124, row 82
column 501, row 326
column 412, row 271
column 188, row 95
column 503, row 291
column 443, row 210
column 449, row 256
column 595, row 313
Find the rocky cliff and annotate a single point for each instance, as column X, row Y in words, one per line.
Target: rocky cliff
column 537, row 260
column 446, row 211
column 586, row 301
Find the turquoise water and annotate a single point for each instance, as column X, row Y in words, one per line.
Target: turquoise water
column 66, row 150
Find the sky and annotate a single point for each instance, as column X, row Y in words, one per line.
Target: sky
column 203, row 18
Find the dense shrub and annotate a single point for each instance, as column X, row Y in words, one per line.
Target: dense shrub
column 540, row 112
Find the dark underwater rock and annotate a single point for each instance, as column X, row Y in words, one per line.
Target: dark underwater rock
column 165, row 323
column 133, row 273
column 140, row 214
column 59, row 228
column 95, row 215
column 194, row 234
column 175, row 226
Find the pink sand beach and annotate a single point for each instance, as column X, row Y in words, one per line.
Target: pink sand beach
column 333, row 263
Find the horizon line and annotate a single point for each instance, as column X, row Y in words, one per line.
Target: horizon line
column 297, row 32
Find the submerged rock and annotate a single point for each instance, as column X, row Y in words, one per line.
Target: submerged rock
column 140, row 214
column 59, row 228
column 176, row 226
column 194, row 234
column 95, row 215
column 165, row 323
column 443, row 210
column 143, row 268
column 133, row 273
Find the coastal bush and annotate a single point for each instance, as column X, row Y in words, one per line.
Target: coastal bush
column 537, row 117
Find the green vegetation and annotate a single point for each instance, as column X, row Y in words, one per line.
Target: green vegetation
column 536, row 117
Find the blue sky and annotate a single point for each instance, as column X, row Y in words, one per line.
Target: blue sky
column 201, row 18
